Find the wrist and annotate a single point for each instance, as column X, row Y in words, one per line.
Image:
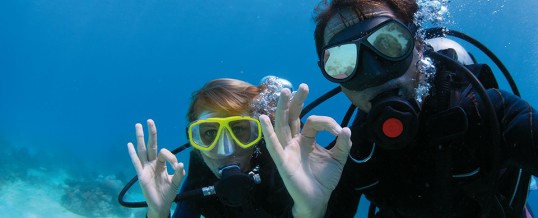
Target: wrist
column 305, row 211
column 157, row 214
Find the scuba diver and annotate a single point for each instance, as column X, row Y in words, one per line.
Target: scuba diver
column 432, row 137
column 230, row 171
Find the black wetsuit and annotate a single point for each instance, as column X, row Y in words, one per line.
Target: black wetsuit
column 408, row 182
column 268, row 199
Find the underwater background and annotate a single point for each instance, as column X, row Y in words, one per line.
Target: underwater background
column 75, row 77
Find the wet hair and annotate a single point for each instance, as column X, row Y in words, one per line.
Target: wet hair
column 402, row 9
column 223, row 95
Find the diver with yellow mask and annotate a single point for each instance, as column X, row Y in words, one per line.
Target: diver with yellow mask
column 230, row 171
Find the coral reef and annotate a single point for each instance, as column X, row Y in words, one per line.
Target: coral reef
column 94, row 198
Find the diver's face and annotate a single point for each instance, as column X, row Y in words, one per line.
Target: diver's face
column 405, row 84
column 226, row 151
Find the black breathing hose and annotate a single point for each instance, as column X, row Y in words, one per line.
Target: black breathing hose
column 320, row 100
column 440, row 32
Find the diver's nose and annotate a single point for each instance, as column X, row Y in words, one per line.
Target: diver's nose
column 225, row 145
column 370, row 70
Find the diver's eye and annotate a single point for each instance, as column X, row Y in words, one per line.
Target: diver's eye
column 241, row 129
column 238, row 130
column 212, row 133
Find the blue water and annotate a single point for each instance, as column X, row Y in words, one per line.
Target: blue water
column 77, row 75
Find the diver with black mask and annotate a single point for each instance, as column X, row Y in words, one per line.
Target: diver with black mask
column 431, row 138
column 230, row 171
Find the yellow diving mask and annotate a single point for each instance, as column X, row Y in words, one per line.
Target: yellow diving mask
column 205, row 134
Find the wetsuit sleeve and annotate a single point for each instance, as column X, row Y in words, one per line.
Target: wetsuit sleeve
column 519, row 128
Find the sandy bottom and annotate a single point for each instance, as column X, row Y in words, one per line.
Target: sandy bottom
column 43, row 194
column 24, row 199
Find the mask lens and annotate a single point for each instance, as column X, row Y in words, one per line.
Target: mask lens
column 392, row 40
column 340, row 61
column 204, row 134
column 246, row 132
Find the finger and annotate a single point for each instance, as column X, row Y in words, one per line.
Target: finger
column 161, row 161
column 179, row 174
column 314, row 124
column 134, row 158
column 166, row 155
column 282, row 128
column 296, row 106
column 141, row 144
column 152, row 141
column 271, row 140
column 343, row 145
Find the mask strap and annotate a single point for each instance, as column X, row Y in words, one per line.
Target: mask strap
column 359, row 13
column 344, row 20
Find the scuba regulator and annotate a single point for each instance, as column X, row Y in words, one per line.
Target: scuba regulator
column 393, row 120
column 234, row 187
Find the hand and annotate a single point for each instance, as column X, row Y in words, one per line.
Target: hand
column 158, row 187
column 309, row 171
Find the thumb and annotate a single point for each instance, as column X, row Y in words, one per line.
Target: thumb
column 343, row 145
column 178, row 174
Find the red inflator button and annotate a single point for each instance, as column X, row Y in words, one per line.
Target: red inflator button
column 392, row 127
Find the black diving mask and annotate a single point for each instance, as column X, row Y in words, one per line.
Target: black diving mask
column 368, row 53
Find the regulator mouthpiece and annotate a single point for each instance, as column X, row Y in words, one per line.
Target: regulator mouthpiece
column 233, row 189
